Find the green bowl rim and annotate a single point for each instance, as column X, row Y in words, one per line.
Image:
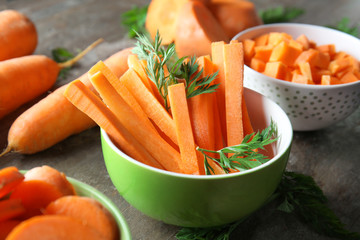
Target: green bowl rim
column 106, row 138
column 124, row 229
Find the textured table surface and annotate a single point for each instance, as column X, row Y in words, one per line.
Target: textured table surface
column 331, row 156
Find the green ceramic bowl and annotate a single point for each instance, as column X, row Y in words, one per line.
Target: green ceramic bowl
column 83, row 189
column 203, row 201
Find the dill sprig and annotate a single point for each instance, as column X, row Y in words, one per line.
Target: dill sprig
column 296, row 194
column 280, row 14
column 194, row 85
column 134, row 20
column 159, row 58
column 243, row 156
column 344, row 26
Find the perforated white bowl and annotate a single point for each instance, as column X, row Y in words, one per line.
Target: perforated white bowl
column 309, row 107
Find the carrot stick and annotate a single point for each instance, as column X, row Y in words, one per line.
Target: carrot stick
column 179, row 109
column 149, row 104
column 18, row 36
column 10, row 177
column 87, row 210
column 217, row 54
column 10, row 208
column 51, row 176
column 25, row 78
column 53, row 227
column 248, row 129
column 84, row 99
column 122, row 90
column 233, row 66
column 201, row 113
column 196, row 26
column 35, row 195
column 141, row 129
column 54, row 118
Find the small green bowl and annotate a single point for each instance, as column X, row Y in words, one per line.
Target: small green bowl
column 203, row 201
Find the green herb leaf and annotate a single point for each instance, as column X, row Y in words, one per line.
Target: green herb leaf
column 214, row 233
column 301, row 195
column 62, row 55
column 280, row 14
column 134, row 20
column 157, row 57
column 193, row 83
column 344, row 26
column 243, row 156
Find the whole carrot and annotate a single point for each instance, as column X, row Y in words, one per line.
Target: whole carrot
column 18, row 36
column 24, row 78
column 54, row 118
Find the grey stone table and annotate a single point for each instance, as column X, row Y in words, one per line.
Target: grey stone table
column 331, row 156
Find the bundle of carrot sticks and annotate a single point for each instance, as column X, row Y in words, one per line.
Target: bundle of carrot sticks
column 132, row 114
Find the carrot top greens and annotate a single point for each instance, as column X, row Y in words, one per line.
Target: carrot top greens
column 159, row 59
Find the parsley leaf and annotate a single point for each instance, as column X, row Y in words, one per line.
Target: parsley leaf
column 280, row 14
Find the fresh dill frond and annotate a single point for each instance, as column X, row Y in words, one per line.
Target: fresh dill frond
column 243, row 156
column 280, row 14
column 164, row 71
column 134, row 20
column 344, row 26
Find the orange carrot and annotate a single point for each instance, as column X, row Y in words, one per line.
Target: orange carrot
column 201, row 113
column 276, row 70
column 25, row 78
column 235, row 16
column 18, row 36
column 248, row 128
column 51, row 176
column 284, row 53
column 10, row 177
column 35, row 195
column 180, row 112
column 233, row 68
column 162, row 16
column 154, row 110
column 88, row 211
column 53, row 227
column 121, row 89
column 84, row 99
column 10, row 208
column 141, row 129
column 54, row 118
column 6, row 227
column 217, row 54
column 197, row 27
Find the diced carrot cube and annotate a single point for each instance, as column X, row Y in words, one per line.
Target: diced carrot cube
column 305, row 70
column 338, row 65
column 263, row 52
column 276, row 70
column 325, row 80
column 310, row 56
column 299, row 78
column 327, row 48
column 277, row 37
column 257, row 64
column 296, row 45
column 340, row 55
column 318, row 73
column 348, row 78
column 304, row 41
column 323, row 60
column 249, row 49
column 284, row 53
column 261, row 40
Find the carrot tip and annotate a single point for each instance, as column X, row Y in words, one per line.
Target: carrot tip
column 7, row 150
